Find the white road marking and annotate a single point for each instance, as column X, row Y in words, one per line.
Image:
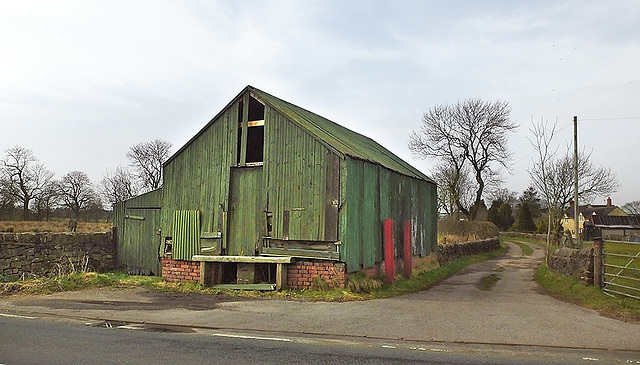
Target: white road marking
column 15, row 316
column 589, row 359
column 252, row 337
column 127, row 327
column 389, row 347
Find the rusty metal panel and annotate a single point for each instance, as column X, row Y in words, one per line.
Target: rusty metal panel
column 186, row 234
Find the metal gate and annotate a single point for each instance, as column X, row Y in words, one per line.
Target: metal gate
column 622, row 269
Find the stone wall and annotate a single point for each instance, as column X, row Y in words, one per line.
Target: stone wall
column 533, row 236
column 301, row 273
column 180, row 270
column 56, row 253
column 452, row 251
column 574, row 263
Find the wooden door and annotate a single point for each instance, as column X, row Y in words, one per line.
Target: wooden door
column 246, row 211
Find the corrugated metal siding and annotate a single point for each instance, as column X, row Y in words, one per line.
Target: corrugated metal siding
column 296, row 170
column 335, row 136
column 137, row 238
column 374, row 193
column 186, row 234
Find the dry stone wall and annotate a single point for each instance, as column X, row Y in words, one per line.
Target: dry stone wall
column 452, row 251
column 53, row 253
column 574, row 263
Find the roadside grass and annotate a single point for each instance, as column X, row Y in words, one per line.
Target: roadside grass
column 359, row 287
column 526, row 250
column 573, row 291
column 74, row 281
column 401, row 286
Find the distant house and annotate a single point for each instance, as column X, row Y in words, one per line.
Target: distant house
column 586, row 214
column 270, row 192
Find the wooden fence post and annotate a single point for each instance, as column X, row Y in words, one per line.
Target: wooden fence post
column 389, row 254
column 598, row 262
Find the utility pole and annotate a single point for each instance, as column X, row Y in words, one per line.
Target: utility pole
column 578, row 241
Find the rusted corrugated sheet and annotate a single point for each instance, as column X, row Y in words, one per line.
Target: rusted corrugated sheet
column 186, row 234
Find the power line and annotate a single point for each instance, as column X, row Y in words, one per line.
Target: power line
column 621, row 118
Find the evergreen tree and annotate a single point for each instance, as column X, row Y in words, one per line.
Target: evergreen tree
column 524, row 218
column 505, row 215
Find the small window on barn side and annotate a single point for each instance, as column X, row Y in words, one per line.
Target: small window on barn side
column 254, row 152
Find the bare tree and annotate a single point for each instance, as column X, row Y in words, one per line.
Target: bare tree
column 23, row 178
column 553, row 176
column 117, row 185
column 632, row 208
column 44, row 203
column 147, row 159
column 454, row 188
column 76, row 192
column 470, row 134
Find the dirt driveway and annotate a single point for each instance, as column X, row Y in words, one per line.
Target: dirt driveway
column 513, row 312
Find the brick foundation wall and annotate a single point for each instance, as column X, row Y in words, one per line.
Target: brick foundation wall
column 301, row 273
column 180, row 270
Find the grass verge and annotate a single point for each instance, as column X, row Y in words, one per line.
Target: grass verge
column 75, row 281
column 361, row 288
column 573, row 291
column 526, row 250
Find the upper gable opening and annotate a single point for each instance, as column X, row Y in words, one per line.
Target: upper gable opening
column 250, row 148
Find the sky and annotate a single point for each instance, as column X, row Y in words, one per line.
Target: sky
column 82, row 81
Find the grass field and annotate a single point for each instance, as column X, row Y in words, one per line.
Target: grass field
column 52, row 226
column 628, row 266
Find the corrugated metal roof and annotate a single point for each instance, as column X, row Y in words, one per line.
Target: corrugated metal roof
column 342, row 139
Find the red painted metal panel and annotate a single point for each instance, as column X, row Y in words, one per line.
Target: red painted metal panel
column 389, row 259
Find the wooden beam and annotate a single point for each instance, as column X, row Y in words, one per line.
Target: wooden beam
column 262, row 287
column 246, row 259
column 311, row 254
column 281, row 276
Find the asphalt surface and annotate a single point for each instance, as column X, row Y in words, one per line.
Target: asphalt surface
column 513, row 313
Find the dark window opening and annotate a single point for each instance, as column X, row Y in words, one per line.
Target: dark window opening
column 239, row 146
column 256, row 110
column 255, row 144
column 253, row 137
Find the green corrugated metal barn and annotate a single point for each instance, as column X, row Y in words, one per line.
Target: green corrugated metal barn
column 267, row 178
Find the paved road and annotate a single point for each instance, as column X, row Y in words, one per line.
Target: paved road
column 30, row 341
column 514, row 313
